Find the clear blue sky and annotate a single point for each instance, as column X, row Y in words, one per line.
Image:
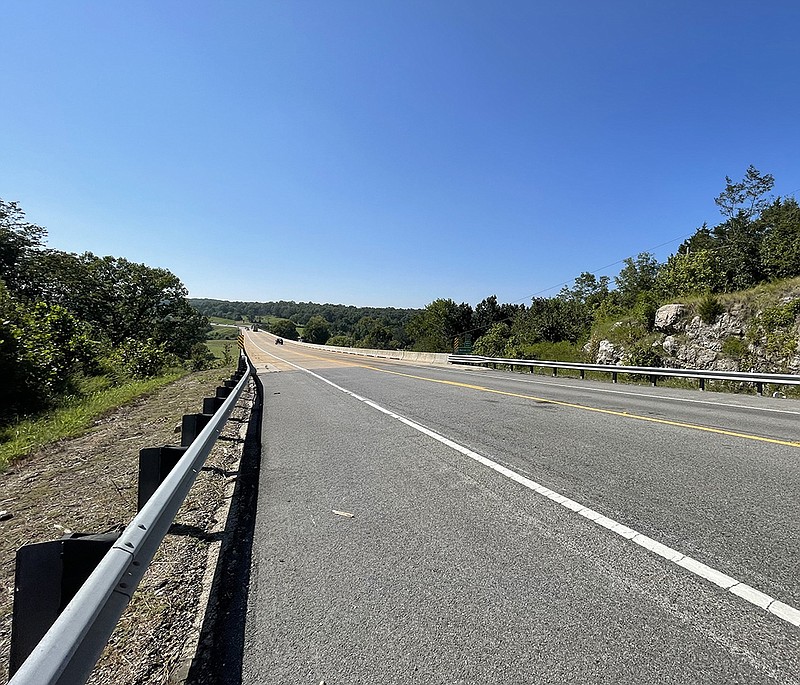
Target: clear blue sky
column 387, row 153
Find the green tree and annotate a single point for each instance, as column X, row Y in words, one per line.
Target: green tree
column 41, row 348
column 284, row 328
column 493, row 343
column 588, row 291
column 370, row 333
column 340, row 341
column 436, row 327
column 19, row 242
column 636, row 277
column 747, row 198
column 686, row 273
column 780, row 246
column 487, row 313
column 551, row 320
column 316, row 331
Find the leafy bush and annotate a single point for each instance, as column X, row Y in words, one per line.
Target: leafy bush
column 340, row 341
column 563, row 351
column 734, row 347
column 139, row 359
column 643, row 354
column 200, row 358
column 42, row 347
column 493, row 343
column 776, row 329
column 709, row 308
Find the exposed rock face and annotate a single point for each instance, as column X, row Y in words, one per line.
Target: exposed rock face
column 668, row 316
column 608, row 353
column 684, row 340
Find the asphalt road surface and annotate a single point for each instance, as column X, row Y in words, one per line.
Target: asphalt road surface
column 421, row 524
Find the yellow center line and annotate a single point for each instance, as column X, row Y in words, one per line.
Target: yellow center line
column 571, row 405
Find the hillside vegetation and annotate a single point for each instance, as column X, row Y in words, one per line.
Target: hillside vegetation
column 75, row 325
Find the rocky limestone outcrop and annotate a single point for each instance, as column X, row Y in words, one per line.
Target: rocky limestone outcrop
column 668, row 316
column 683, row 340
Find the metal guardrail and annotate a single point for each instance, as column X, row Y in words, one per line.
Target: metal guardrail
column 69, row 651
column 702, row 375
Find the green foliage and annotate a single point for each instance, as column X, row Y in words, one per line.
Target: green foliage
column 284, row 328
column 776, row 330
column 636, row 277
column 588, row 291
column 709, row 308
column 643, row 353
column 316, row 331
column 340, row 341
column 493, row 343
column 201, row 358
column 686, row 273
column 746, row 198
column 20, row 241
column 780, row 247
column 734, row 347
column 134, row 358
column 371, row 333
column 436, row 327
column 342, row 319
column 552, row 320
column 562, row 351
column 41, row 348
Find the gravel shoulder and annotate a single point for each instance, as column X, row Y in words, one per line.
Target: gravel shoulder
column 88, row 484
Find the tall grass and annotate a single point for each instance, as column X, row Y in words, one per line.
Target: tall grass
column 74, row 417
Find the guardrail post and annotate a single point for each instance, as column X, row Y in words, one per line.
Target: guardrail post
column 653, row 380
column 192, row 425
column 47, row 576
column 555, row 371
column 583, row 374
column 613, row 376
column 155, row 463
column 702, row 384
column 760, row 388
column 211, row 404
column 223, row 391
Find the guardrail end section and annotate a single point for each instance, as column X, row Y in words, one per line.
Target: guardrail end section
column 46, row 578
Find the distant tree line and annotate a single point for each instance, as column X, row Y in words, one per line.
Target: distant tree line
column 67, row 317
column 758, row 241
column 335, row 324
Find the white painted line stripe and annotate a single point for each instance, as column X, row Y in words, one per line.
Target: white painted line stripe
column 752, row 595
column 657, row 548
column 710, row 574
column 749, row 594
column 785, row 612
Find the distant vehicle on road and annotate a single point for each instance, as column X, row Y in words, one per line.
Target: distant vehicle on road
column 279, row 341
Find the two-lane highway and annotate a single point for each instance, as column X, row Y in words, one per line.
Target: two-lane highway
column 420, row 524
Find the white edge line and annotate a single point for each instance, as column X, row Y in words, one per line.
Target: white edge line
column 755, row 597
